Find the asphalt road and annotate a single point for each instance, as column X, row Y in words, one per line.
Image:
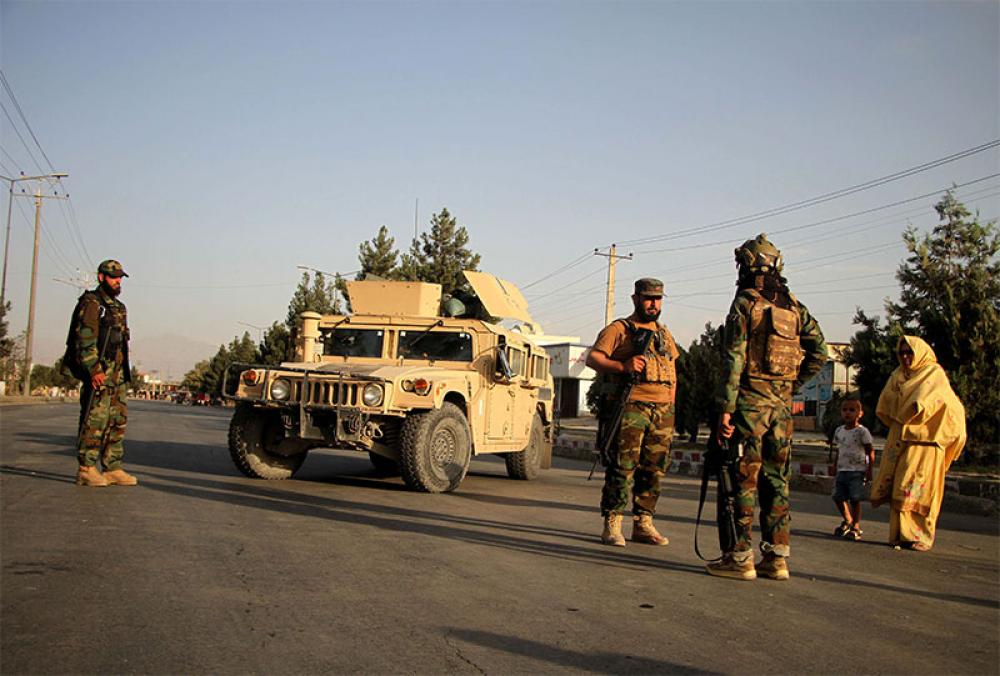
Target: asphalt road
column 199, row 570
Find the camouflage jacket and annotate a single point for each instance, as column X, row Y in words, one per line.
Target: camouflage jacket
column 89, row 334
column 736, row 338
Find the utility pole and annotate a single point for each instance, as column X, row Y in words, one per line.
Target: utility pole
column 29, row 336
column 609, row 303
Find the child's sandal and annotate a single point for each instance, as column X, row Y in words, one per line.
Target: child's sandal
column 842, row 530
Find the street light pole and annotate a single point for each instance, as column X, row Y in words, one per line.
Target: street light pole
column 28, row 341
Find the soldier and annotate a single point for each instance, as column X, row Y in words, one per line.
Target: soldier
column 99, row 335
column 772, row 346
column 639, row 455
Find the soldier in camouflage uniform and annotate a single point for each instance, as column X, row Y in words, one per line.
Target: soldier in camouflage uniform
column 100, row 324
column 772, row 347
column 640, row 454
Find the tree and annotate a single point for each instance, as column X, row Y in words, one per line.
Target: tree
column 873, row 351
column 6, row 344
column 194, row 380
column 276, row 345
column 699, row 371
column 378, row 257
column 318, row 296
column 441, row 255
column 950, row 296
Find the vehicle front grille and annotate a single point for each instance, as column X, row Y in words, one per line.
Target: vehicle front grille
column 326, row 393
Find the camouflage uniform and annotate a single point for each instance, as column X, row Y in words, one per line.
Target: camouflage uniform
column 103, row 431
column 761, row 413
column 642, row 458
column 640, row 454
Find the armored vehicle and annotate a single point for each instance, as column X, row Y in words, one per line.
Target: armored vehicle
column 419, row 384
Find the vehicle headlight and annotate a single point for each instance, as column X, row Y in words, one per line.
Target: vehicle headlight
column 280, row 389
column 372, row 394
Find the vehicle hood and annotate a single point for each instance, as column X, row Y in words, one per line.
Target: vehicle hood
column 381, row 371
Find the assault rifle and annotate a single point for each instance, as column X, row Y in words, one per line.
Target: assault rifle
column 91, row 390
column 721, row 464
column 611, row 411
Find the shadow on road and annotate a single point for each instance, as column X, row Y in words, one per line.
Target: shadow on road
column 437, row 524
column 605, row 662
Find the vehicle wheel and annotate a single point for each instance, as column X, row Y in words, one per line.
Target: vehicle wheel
column 526, row 464
column 383, row 466
column 252, row 435
column 435, row 449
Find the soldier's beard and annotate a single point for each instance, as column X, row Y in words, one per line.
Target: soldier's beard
column 110, row 290
column 650, row 316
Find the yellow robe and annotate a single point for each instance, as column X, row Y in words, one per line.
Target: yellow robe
column 926, row 424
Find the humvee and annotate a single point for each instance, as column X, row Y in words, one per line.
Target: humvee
column 420, row 385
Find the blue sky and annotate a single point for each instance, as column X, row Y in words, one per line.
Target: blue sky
column 214, row 146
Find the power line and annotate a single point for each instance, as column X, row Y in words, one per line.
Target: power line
column 23, row 142
column 813, row 201
column 10, row 93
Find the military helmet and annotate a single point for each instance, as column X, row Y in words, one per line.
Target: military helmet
column 112, row 268
column 759, row 255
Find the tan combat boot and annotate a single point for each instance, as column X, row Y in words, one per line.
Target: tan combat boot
column 119, row 477
column 773, row 567
column 612, row 534
column 729, row 567
column 644, row 531
column 89, row 476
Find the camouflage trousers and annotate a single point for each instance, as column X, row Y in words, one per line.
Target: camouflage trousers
column 103, row 432
column 764, row 426
column 639, row 458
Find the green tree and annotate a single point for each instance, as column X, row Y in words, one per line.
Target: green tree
column 194, row 380
column 699, row 371
column 440, row 256
column 276, row 345
column 314, row 294
column 379, row 257
column 950, row 296
column 6, row 343
column 873, row 351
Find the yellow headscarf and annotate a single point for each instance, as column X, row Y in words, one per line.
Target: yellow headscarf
column 921, row 401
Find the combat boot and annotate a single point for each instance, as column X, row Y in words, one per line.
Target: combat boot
column 88, row 475
column 644, row 531
column 612, row 534
column 773, row 567
column 119, row 477
column 731, row 568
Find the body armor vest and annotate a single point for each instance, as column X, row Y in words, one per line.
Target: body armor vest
column 774, row 351
column 661, row 367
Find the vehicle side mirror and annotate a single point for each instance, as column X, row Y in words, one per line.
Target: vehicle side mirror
column 503, row 365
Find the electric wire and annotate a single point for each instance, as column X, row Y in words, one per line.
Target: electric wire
column 10, row 93
column 23, row 142
column 820, row 199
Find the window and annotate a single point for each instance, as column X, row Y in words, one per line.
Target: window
column 353, row 342
column 517, row 360
column 435, row 345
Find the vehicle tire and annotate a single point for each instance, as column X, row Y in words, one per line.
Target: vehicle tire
column 251, row 433
column 526, row 465
column 435, row 449
column 383, row 466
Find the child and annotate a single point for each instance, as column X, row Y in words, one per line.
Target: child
column 855, row 459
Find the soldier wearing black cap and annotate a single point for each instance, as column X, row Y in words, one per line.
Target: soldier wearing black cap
column 640, row 453
column 97, row 353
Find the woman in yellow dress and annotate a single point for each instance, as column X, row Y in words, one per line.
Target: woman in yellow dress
column 926, row 424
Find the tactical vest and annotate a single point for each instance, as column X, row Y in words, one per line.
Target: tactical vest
column 661, row 367
column 112, row 328
column 774, row 351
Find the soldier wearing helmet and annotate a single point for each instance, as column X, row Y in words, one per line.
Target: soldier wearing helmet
column 639, row 456
column 97, row 354
column 772, row 346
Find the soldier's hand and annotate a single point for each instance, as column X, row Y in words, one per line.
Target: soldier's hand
column 97, row 380
column 725, row 429
column 635, row 364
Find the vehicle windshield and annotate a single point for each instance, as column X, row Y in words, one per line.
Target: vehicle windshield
column 340, row 342
column 435, row 345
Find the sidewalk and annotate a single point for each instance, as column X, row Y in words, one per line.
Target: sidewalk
column 811, row 466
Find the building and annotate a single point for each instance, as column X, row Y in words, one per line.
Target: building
column 809, row 404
